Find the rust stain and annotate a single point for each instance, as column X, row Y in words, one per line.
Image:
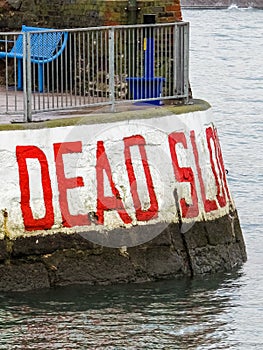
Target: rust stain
column 6, row 231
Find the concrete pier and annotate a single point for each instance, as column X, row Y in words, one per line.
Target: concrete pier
column 132, row 196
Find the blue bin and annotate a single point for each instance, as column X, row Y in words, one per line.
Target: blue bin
column 143, row 88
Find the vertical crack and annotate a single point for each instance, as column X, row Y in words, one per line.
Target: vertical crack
column 8, row 241
column 180, row 222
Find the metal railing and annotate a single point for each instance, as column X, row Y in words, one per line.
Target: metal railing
column 99, row 66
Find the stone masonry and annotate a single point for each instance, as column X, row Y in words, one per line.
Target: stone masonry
column 82, row 13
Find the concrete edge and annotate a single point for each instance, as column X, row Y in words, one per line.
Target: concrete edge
column 107, row 117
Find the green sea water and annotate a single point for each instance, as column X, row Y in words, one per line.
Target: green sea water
column 213, row 312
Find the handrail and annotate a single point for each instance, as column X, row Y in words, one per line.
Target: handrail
column 101, row 66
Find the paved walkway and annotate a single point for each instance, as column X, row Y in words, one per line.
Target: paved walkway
column 12, row 106
column 45, row 106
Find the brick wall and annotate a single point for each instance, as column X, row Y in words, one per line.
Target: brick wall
column 82, row 13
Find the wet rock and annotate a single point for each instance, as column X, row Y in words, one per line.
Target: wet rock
column 15, row 4
column 21, row 276
column 61, row 259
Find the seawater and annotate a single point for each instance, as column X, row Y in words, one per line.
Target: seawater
column 213, row 312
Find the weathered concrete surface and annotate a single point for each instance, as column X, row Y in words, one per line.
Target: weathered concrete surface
column 38, row 262
column 206, row 4
column 63, row 221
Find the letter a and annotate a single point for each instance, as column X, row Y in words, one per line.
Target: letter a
column 107, row 203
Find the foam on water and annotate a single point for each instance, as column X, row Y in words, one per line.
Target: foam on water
column 238, row 8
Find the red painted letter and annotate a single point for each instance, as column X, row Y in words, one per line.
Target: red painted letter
column 65, row 183
column 183, row 175
column 32, row 224
column 103, row 202
column 209, row 205
column 220, row 178
column 152, row 211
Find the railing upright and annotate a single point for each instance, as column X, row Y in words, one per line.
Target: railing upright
column 186, row 61
column 175, row 59
column 27, row 87
column 178, row 45
column 6, row 77
column 111, row 67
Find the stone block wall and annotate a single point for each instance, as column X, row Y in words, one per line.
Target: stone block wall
column 82, row 13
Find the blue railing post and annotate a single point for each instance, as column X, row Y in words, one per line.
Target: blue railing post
column 149, row 56
column 27, row 76
column 40, row 77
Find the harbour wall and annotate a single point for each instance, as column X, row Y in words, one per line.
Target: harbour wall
column 221, row 4
column 79, row 13
column 115, row 197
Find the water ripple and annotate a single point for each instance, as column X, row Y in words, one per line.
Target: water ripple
column 213, row 312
